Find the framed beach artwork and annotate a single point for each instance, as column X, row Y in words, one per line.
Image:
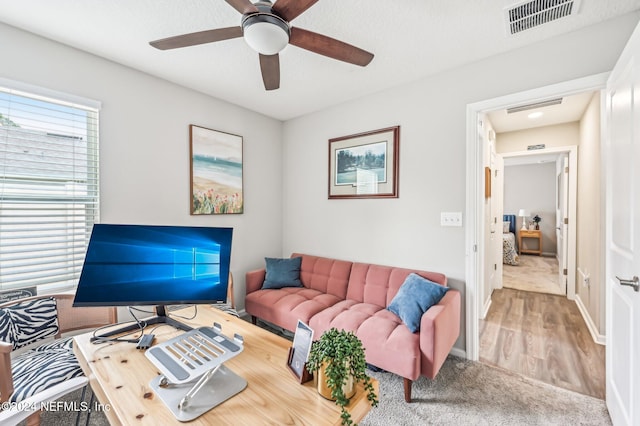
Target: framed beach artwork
column 365, row 165
column 216, row 172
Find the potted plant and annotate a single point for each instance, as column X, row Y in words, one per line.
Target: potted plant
column 537, row 220
column 337, row 358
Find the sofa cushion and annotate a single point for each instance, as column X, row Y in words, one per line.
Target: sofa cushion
column 379, row 284
column 282, row 273
column 388, row 342
column 415, row 297
column 285, row 306
column 329, row 276
column 43, row 367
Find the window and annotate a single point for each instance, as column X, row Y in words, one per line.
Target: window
column 49, row 197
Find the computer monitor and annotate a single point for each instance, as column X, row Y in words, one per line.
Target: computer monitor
column 133, row 265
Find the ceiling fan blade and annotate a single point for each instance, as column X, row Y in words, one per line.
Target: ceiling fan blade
column 200, row 37
column 270, row 67
column 290, row 9
column 243, row 6
column 330, row 47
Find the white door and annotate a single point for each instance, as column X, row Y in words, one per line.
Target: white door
column 622, row 154
column 489, row 232
column 497, row 193
column 492, row 256
column 562, row 226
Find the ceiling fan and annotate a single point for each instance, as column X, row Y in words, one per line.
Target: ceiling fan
column 266, row 29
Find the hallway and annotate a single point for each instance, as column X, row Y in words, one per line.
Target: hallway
column 544, row 337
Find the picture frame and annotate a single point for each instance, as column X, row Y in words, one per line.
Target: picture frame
column 487, row 182
column 216, row 175
column 365, row 165
column 299, row 352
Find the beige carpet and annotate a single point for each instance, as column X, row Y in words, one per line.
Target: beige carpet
column 534, row 273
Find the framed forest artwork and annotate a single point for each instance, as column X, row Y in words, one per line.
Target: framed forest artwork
column 365, row 165
column 216, row 172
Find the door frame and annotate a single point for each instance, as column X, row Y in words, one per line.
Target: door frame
column 562, row 206
column 474, row 231
column 571, row 196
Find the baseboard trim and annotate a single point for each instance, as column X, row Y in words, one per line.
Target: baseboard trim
column 485, row 311
column 593, row 330
column 458, row 352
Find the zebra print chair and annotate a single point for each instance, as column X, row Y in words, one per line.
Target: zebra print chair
column 45, row 372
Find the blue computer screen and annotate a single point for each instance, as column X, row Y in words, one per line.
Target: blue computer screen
column 154, row 265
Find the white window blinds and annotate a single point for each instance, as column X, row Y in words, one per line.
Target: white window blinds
column 48, row 188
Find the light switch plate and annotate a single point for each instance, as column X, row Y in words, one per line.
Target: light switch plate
column 451, row 219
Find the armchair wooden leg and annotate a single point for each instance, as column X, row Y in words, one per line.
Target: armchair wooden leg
column 34, row 419
column 254, row 320
column 407, row 389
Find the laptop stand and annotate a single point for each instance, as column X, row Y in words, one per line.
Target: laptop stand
column 194, row 379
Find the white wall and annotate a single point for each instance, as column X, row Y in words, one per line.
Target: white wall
column 533, row 187
column 432, row 115
column 144, row 144
column 559, row 135
column 589, row 256
column 144, row 154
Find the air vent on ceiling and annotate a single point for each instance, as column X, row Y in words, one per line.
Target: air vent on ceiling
column 529, row 14
column 535, row 105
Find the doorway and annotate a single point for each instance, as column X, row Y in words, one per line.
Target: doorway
column 531, row 327
column 520, row 322
column 476, row 229
column 538, row 185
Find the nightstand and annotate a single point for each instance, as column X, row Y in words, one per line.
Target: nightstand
column 530, row 234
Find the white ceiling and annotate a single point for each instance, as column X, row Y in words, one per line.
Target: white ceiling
column 569, row 110
column 531, row 159
column 410, row 39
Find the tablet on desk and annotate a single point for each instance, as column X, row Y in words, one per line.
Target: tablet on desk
column 302, row 341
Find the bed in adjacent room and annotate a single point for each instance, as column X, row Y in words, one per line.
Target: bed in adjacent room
column 509, row 253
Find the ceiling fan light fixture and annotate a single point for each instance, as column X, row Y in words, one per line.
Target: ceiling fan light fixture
column 265, row 33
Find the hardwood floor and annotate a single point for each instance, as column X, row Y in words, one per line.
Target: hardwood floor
column 544, row 337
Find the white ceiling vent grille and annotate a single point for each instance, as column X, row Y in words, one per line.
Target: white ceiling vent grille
column 535, row 105
column 532, row 13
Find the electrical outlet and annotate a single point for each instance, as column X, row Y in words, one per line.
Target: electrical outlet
column 451, row 219
column 586, row 277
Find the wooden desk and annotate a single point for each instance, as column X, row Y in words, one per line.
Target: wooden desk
column 536, row 234
column 120, row 374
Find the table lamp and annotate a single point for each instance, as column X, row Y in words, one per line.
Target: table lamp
column 523, row 214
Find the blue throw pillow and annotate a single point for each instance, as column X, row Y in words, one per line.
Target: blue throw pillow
column 282, row 273
column 415, row 296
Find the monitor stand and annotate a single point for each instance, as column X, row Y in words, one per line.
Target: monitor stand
column 160, row 318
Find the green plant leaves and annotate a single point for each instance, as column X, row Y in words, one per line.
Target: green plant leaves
column 343, row 354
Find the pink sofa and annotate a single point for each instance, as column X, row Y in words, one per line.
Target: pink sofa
column 353, row 296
